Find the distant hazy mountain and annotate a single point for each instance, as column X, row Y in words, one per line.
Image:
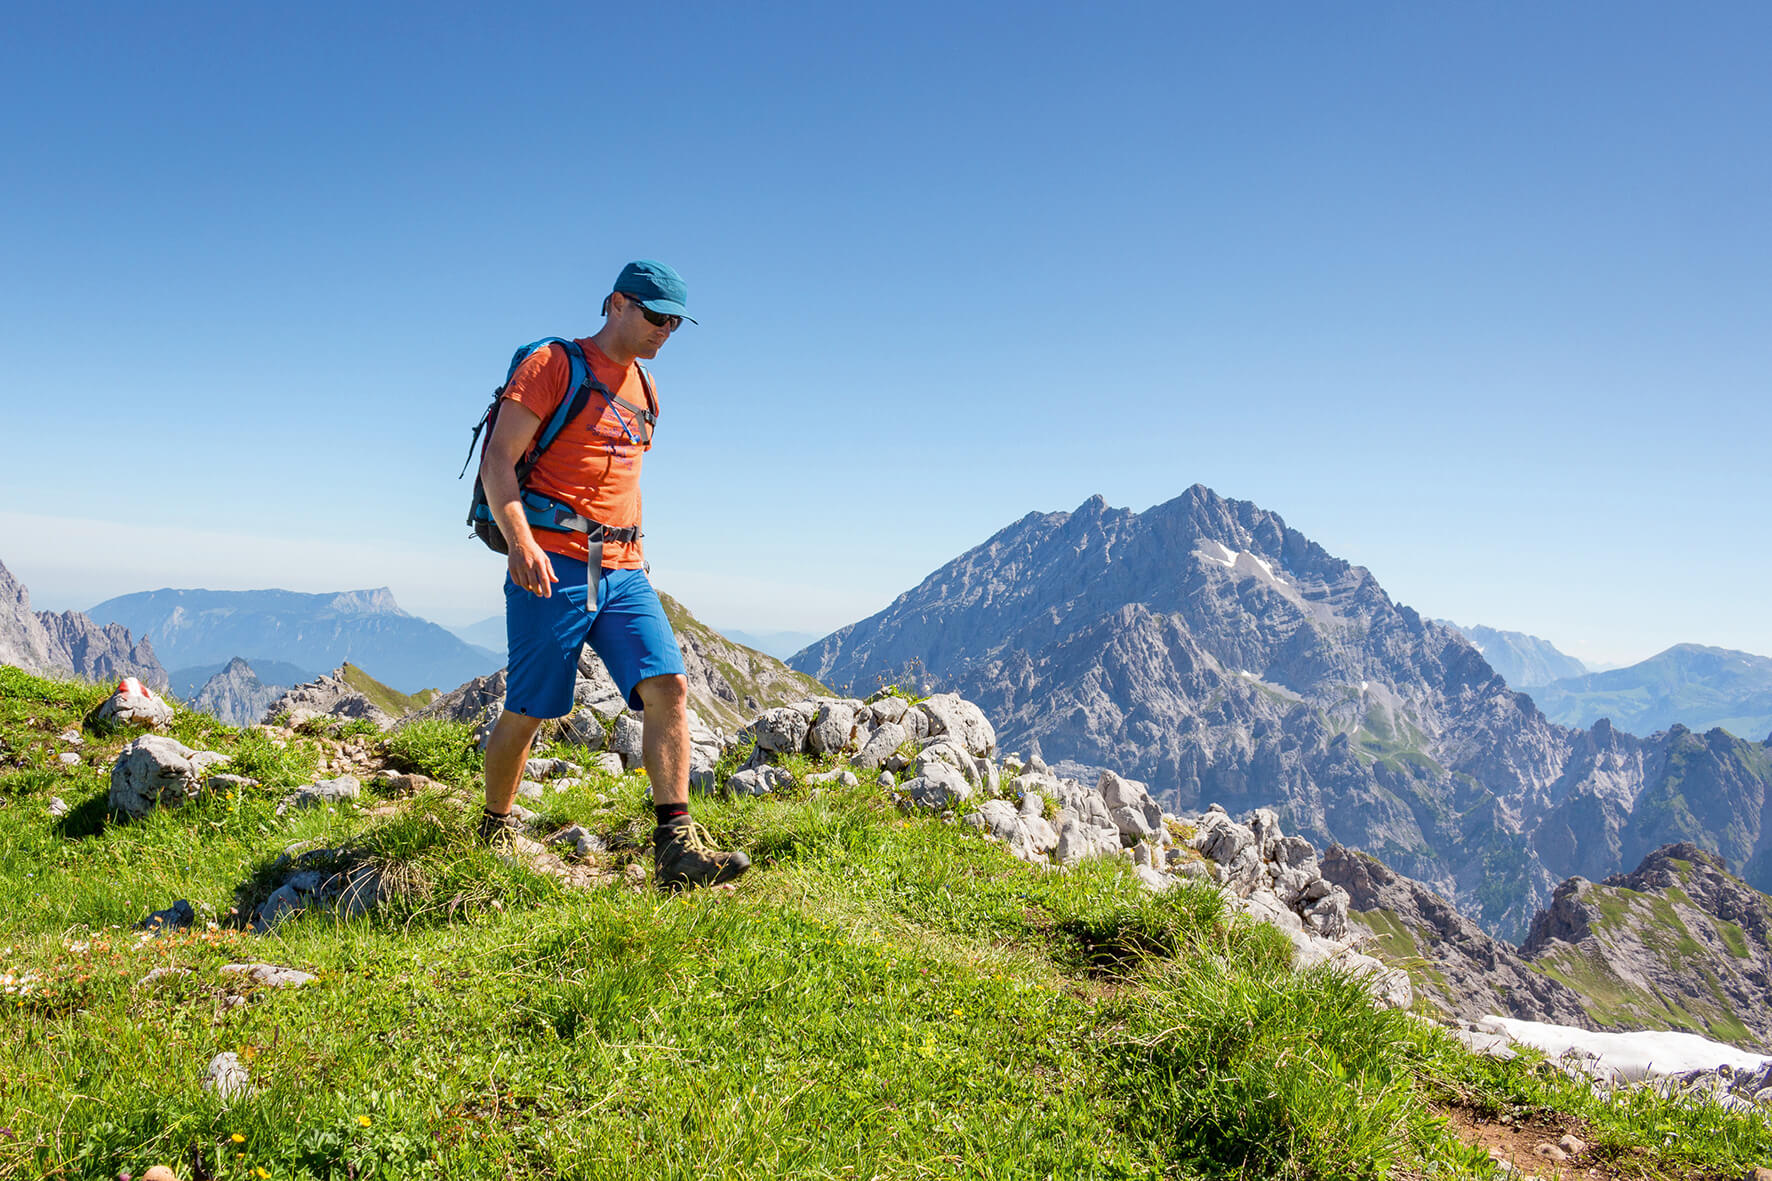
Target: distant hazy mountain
column 364, row 627
column 1207, row 648
column 779, row 644
column 188, row 682
column 488, row 634
column 70, row 643
column 236, row 694
column 1688, row 685
column 1522, row 660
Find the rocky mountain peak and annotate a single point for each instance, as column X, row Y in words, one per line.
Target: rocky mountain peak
column 69, row 642
column 379, row 601
column 1209, row 649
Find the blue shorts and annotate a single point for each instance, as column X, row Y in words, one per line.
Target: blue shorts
column 627, row 628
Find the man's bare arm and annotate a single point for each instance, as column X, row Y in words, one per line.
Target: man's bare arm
column 511, row 436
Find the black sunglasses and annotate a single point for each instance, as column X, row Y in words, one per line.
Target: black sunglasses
column 656, row 319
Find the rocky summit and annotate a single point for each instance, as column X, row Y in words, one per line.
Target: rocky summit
column 1207, row 648
column 1678, row 943
column 70, row 642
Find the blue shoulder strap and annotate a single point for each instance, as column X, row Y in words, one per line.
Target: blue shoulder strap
column 563, row 414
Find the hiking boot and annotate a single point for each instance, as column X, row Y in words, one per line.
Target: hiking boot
column 499, row 833
column 683, row 856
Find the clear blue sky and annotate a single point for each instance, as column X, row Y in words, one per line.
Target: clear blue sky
column 1474, row 295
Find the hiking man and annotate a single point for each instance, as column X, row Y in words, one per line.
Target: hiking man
column 580, row 576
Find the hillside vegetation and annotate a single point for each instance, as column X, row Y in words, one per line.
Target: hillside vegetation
column 885, row 995
column 387, row 699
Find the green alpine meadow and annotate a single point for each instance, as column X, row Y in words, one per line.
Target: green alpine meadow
column 887, row 994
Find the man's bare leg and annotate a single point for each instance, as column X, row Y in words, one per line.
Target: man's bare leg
column 681, row 856
column 506, row 753
column 664, row 744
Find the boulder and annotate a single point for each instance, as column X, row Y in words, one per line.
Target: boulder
column 780, row 731
column 938, row 788
column 627, row 741
column 1135, row 814
column 880, row 745
column 1079, row 839
column 133, row 704
column 226, row 1076
column 959, row 719
column 833, row 728
column 176, row 917
column 155, row 770
column 888, row 709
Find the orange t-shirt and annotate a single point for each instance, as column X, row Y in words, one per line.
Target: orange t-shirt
column 594, row 464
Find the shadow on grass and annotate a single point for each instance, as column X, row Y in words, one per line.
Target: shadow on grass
column 87, row 820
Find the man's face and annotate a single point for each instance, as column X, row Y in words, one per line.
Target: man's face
column 635, row 324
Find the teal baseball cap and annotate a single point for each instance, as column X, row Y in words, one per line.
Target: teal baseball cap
column 656, row 286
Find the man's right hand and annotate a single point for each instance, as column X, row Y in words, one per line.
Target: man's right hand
column 532, row 570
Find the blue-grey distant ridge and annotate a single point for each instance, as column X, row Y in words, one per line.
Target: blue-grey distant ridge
column 192, row 627
column 1521, row 659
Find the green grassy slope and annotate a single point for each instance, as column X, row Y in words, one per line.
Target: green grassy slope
column 390, row 701
column 885, row 995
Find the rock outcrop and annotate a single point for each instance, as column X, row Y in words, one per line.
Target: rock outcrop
column 69, row 643
column 1454, row 964
column 330, row 696
column 1679, row 943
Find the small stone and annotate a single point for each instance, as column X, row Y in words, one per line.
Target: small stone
column 71, row 737
column 635, row 873
column 1575, row 1145
column 159, row 974
column 269, row 975
column 226, row 1076
column 58, row 807
column 159, row 1173
column 1760, row 1174
column 68, row 759
column 1550, row 1152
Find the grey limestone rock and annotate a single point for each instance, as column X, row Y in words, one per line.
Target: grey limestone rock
column 628, row 741
column 938, row 787
column 1134, row 813
column 134, row 705
column 226, row 1076
column 961, row 720
column 1078, row 839
column 781, row 730
column 322, row 792
column 888, row 709
column 269, row 975
column 833, row 728
column 885, row 740
column 329, row 696
column 155, row 771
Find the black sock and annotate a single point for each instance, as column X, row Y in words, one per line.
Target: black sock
column 669, row 812
column 495, row 815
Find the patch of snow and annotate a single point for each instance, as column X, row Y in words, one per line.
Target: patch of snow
column 1223, row 557
column 1262, row 562
column 1363, row 685
column 1632, row 1055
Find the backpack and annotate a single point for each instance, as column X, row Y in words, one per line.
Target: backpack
column 543, row 512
